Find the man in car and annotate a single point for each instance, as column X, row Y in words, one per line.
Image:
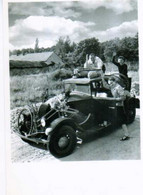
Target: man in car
column 95, row 65
column 92, row 67
column 118, row 92
column 94, row 62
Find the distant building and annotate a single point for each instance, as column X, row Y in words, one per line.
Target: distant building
column 34, row 62
column 46, row 57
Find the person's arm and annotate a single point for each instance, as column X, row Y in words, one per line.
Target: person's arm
column 86, row 63
column 126, row 70
column 105, row 85
column 99, row 62
column 114, row 61
column 121, row 93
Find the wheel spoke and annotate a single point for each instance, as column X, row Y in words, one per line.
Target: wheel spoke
column 25, row 121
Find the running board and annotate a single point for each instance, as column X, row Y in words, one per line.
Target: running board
column 35, row 140
column 98, row 128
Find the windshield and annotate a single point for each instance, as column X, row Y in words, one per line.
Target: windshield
column 77, row 87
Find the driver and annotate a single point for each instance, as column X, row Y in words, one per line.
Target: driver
column 118, row 92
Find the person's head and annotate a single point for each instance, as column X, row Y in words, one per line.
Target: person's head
column 112, row 80
column 121, row 60
column 92, row 56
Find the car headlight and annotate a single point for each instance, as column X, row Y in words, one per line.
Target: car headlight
column 48, row 130
column 43, row 122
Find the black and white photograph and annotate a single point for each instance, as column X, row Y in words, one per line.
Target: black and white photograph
column 71, row 97
column 74, row 81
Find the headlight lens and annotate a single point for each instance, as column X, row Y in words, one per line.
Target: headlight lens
column 48, row 130
column 43, row 122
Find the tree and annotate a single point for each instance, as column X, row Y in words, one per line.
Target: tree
column 18, row 52
column 127, row 47
column 37, row 45
column 84, row 47
column 73, row 46
column 64, row 47
column 109, row 47
column 67, row 45
column 59, row 48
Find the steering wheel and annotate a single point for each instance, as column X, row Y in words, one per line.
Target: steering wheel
column 121, row 79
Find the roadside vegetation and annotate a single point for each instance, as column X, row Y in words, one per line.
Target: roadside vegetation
column 27, row 86
column 29, row 89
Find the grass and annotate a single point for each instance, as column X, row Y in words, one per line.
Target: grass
column 28, row 89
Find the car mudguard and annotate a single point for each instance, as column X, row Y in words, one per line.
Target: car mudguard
column 63, row 121
column 132, row 102
column 137, row 103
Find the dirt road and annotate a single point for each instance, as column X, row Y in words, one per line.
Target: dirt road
column 105, row 145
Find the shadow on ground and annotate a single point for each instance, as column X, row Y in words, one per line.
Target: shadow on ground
column 87, row 137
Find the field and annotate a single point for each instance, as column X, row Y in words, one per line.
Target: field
column 28, row 89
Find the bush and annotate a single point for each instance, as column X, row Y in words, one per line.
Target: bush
column 133, row 66
column 61, row 74
column 30, row 88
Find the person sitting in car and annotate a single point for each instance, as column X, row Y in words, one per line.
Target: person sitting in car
column 94, row 62
column 92, row 67
column 95, row 65
column 118, row 92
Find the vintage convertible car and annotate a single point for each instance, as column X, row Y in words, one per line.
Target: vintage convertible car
column 83, row 105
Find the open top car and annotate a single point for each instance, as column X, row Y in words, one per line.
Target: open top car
column 83, row 105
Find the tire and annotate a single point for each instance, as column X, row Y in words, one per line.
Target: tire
column 62, row 141
column 131, row 113
column 25, row 121
column 130, row 109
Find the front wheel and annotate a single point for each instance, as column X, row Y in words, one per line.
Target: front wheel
column 25, row 121
column 62, row 141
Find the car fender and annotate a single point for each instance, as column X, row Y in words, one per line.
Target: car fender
column 57, row 123
column 137, row 103
column 132, row 102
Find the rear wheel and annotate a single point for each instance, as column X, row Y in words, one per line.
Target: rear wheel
column 131, row 113
column 130, row 109
column 62, row 141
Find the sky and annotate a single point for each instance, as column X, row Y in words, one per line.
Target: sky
column 47, row 21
